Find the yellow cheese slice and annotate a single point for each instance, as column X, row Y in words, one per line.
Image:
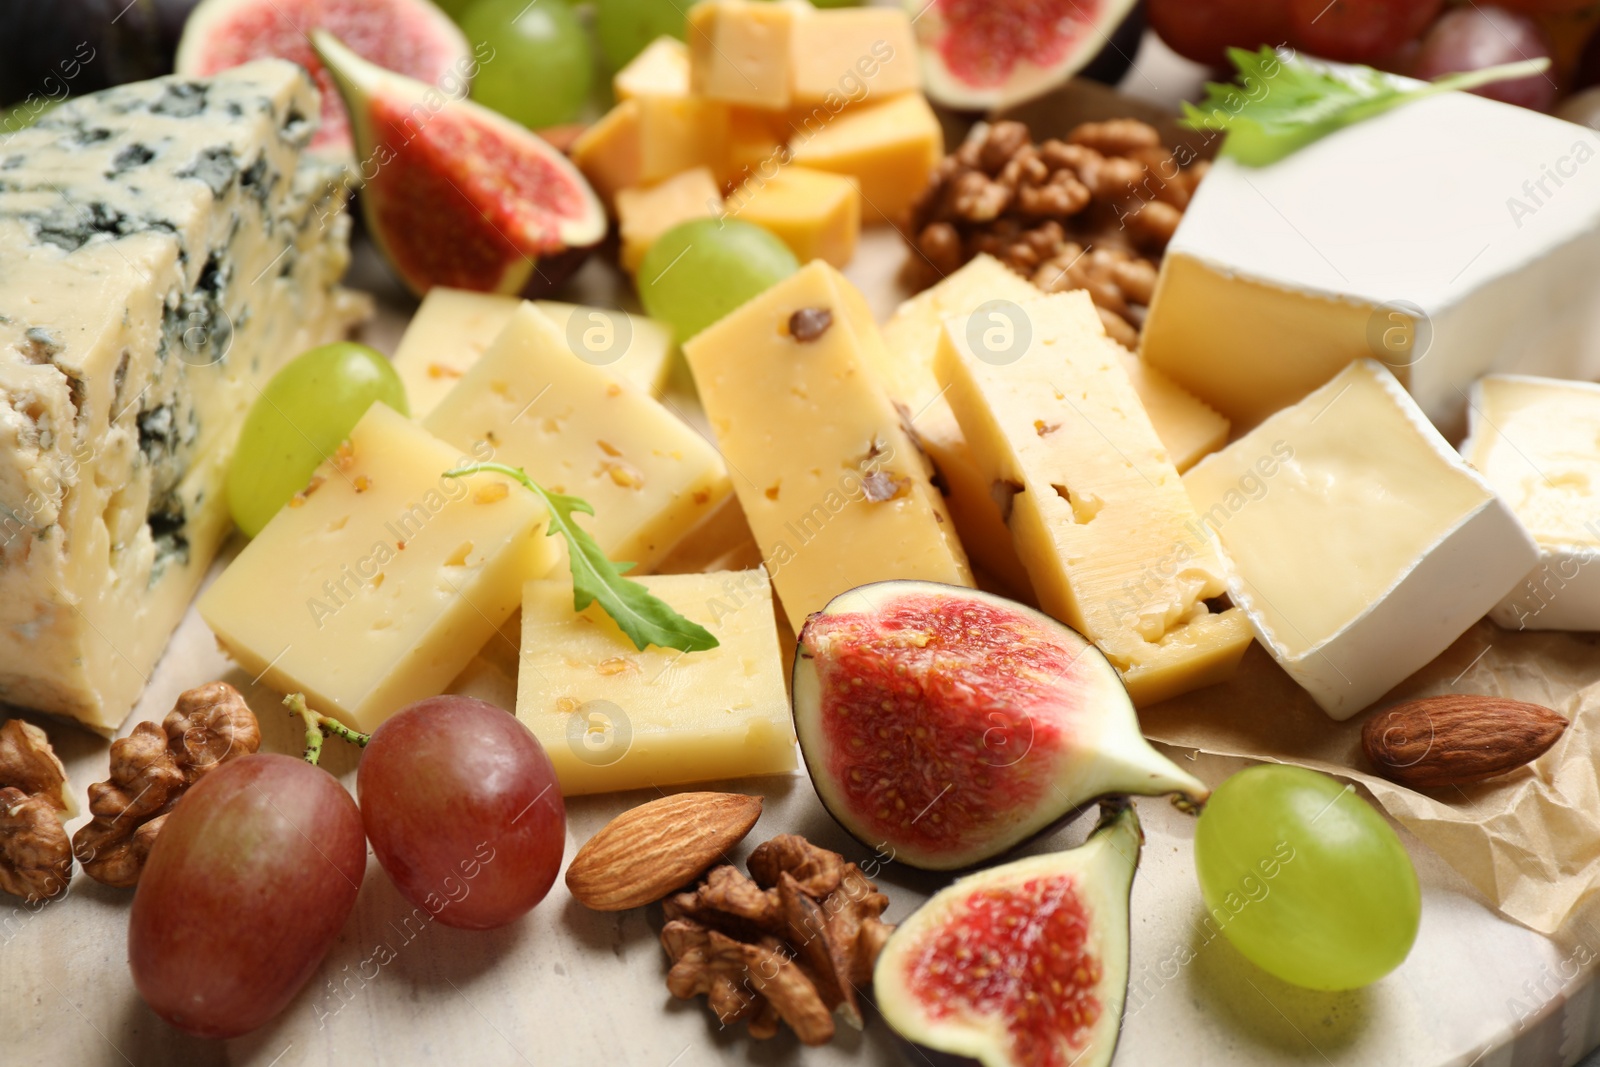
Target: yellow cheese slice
column 890, row 148
column 612, row 717
column 577, row 428
column 377, row 585
column 835, row 490
column 817, row 214
column 1098, row 512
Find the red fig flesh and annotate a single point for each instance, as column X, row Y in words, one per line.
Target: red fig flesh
column 454, row 193
column 989, row 54
column 943, row 726
column 1025, row 964
column 412, row 37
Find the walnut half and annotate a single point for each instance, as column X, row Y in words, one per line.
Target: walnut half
column 150, row 769
column 35, row 801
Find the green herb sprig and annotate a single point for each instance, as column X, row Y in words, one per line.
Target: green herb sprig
column 1282, row 103
column 646, row 619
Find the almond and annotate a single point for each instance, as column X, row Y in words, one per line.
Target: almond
column 647, row 852
column 1455, row 739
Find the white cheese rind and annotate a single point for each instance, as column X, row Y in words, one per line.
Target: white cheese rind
column 1535, row 440
column 1483, row 216
column 1361, row 544
column 163, row 249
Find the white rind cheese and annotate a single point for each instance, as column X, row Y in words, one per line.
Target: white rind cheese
column 1362, row 545
column 163, row 250
column 1537, row 441
column 1448, row 238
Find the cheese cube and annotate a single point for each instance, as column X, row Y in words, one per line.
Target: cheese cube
column 1535, row 441
column 1362, row 545
column 678, row 133
column 377, row 584
column 645, row 213
column 817, row 214
column 612, row 717
column 834, row 488
column 662, row 69
column 853, row 54
column 889, row 148
column 1186, row 426
column 739, row 50
column 1279, row 276
column 1097, row 510
column 165, row 247
column 609, row 153
column 453, row 327
column 755, row 143
column 579, row 429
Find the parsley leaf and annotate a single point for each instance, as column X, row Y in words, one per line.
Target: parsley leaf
column 646, row 619
column 1282, row 103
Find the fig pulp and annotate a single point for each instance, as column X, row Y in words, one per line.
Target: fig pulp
column 991, row 54
column 454, row 193
column 942, row 726
column 412, row 37
column 1025, row 964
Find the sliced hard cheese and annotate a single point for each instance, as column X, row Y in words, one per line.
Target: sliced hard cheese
column 1097, row 510
column 890, row 148
column 1537, row 442
column 164, row 249
column 1186, row 426
column 817, row 214
column 662, row 69
column 612, row 717
column 835, row 490
column 645, row 213
column 1279, row 276
column 1362, row 545
column 453, row 327
column 377, row 586
column 579, row 429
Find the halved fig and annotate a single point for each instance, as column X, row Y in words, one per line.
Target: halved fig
column 1021, row 965
column 990, row 54
column 412, row 37
column 454, row 193
column 942, row 726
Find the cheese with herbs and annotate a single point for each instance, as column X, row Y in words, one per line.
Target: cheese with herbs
column 835, row 488
column 164, row 249
column 378, row 583
column 614, row 717
column 1448, row 238
column 1096, row 509
column 580, row 429
column 1362, row 545
column 1537, row 442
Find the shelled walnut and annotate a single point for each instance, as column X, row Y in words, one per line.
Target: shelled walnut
column 35, row 802
column 1092, row 212
column 792, row 943
column 150, row 769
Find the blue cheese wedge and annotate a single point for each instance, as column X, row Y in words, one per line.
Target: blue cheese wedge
column 1535, row 440
column 164, row 248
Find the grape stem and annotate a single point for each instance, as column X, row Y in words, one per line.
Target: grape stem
column 319, row 725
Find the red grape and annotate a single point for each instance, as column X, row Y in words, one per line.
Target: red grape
column 253, row 874
column 1357, row 31
column 1471, row 38
column 463, row 810
column 1203, row 30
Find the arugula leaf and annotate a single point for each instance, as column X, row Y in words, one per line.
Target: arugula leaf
column 1282, row 103
column 646, row 619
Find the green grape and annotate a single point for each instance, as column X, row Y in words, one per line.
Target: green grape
column 835, row 3
column 698, row 271
column 541, row 68
column 624, row 27
column 298, row 420
column 1305, row 878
